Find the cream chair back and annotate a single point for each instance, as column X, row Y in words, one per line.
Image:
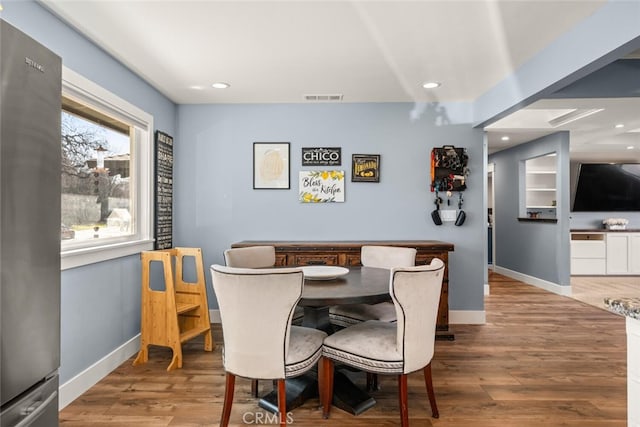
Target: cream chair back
column 416, row 294
column 251, row 257
column 387, row 256
column 256, row 307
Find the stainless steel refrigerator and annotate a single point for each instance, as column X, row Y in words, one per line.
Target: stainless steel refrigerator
column 29, row 230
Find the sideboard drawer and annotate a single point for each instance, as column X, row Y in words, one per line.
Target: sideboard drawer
column 316, row 259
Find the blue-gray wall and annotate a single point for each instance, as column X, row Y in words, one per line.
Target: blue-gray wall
column 216, row 205
column 536, row 249
column 101, row 302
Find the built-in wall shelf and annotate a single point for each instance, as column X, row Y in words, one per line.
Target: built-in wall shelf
column 540, row 184
column 550, row 220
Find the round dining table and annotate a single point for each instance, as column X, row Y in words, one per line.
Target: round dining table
column 360, row 285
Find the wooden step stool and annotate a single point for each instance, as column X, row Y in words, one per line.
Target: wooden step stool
column 178, row 313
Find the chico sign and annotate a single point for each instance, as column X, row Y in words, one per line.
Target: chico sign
column 321, row 156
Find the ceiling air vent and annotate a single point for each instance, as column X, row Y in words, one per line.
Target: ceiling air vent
column 324, row 97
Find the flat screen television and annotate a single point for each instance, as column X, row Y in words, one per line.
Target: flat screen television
column 607, row 187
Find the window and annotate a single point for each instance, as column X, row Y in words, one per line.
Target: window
column 106, row 174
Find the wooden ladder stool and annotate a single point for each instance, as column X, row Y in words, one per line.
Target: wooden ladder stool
column 177, row 314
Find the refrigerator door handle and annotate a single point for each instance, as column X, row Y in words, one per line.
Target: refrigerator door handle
column 33, row 411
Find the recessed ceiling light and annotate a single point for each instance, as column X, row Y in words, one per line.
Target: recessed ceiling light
column 220, row 85
column 505, row 138
column 619, row 125
column 196, row 87
column 630, row 147
column 431, row 85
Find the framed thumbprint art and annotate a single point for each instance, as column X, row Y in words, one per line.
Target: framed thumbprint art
column 271, row 163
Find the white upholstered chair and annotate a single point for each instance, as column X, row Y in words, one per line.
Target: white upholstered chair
column 381, row 257
column 257, row 257
column 251, row 257
column 256, row 307
column 393, row 348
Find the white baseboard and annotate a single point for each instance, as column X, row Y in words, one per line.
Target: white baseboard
column 543, row 284
column 487, row 289
column 72, row 389
column 467, row 317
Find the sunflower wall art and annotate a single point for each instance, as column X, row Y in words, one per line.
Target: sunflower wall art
column 321, row 186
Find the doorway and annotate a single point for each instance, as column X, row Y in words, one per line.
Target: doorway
column 491, row 247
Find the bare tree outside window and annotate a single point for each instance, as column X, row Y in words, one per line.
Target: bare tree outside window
column 96, row 188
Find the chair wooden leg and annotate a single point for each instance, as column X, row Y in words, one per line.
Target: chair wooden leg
column 254, row 388
column 327, row 394
column 282, row 402
column 432, row 397
column 228, row 399
column 403, row 394
column 321, row 380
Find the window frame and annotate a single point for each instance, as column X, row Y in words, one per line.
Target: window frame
column 76, row 254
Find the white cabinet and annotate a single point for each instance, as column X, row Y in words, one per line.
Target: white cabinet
column 588, row 254
column 634, row 253
column 623, row 253
column 600, row 253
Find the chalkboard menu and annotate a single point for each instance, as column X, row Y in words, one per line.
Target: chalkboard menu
column 164, row 191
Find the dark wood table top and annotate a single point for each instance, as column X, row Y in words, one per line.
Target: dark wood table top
column 362, row 285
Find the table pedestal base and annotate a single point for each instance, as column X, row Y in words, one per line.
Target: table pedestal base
column 299, row 390
column 346, row 395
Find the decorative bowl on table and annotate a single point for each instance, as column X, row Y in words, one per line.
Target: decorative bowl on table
column 323, row 272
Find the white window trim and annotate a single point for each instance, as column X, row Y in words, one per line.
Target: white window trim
column 81, row 89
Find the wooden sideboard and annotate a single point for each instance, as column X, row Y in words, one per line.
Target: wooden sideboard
column 346, row 253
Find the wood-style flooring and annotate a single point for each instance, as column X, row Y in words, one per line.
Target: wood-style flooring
column 594, row 289
column 541, row 359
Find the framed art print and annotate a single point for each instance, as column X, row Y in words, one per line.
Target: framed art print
column 271, row 165
column 321, row 186
column 365, row 168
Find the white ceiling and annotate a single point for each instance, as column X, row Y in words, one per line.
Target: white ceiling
column 368, row 51
column 594, row 137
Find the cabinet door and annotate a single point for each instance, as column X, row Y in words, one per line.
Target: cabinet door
column 352, row 260
column 282, row 260
column 617, row 253
column 634, row 253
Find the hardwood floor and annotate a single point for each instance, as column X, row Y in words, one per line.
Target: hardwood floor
column 593, row 289
column 541, row 359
